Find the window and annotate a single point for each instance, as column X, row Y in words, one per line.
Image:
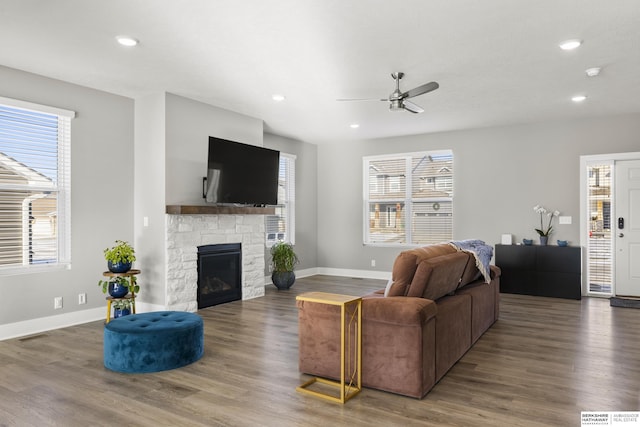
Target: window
column 408, row 198
column 281, row 226
column 34, row 185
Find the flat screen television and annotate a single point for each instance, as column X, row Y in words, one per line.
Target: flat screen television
column 241, row 174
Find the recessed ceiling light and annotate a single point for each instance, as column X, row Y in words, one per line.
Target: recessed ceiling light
column 578, row 98
column 592, row 72
column 127, row 41
column 570, row 44
column 278, row 97
column 354, row 125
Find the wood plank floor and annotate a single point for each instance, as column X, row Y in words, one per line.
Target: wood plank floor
column 542, row 363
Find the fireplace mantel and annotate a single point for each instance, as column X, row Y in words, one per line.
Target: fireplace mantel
column 218, row 210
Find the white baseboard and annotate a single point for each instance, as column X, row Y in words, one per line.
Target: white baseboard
column 360, row 274
column 342, row 272
column 43, row 324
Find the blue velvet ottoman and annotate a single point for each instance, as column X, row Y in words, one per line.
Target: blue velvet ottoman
column 152, row 342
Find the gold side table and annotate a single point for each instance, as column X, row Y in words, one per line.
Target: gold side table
column 350, row 346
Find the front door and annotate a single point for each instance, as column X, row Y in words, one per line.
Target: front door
column 627, row 228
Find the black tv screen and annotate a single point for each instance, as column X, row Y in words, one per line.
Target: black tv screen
column 241, row 174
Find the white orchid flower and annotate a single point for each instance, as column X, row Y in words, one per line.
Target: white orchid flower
column 539, row 209
column 545, row 231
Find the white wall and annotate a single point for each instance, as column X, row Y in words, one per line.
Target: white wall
column 189, row 125
column 306, row 197
column 500, row 174
column 101, row 200
column 149, row 200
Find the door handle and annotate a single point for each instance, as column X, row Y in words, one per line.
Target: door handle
column 621, row 235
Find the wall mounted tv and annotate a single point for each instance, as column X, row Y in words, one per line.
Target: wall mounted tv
column 241, row 174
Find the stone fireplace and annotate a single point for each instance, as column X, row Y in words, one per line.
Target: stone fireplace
column 185, row 232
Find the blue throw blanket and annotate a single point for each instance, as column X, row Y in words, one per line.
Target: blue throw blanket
column 480, row 250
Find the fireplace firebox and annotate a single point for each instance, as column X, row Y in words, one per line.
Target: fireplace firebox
column 219, row 274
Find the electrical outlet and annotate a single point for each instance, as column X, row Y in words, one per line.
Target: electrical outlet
column 82, row 298
column 373, row 263
column 57, row 303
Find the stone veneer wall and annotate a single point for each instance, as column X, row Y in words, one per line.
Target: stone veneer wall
column 184, row 233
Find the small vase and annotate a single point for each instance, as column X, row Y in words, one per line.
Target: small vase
column 544, row 240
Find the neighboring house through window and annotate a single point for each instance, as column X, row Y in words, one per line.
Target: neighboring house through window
column 408, row 198
column 34, row 185
column 281, row 226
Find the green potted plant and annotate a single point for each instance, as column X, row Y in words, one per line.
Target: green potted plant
column 283, row 261
column 120, row 257
column 119, row 286
column 121, row 308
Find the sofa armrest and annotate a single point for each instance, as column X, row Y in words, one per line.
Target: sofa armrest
column 399, row 310
column 495, row 271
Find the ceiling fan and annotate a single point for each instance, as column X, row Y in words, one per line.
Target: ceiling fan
column 398, row 100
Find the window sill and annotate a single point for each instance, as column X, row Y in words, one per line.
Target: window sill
column 33, row 269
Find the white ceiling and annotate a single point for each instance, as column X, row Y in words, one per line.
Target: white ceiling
column 497, row 61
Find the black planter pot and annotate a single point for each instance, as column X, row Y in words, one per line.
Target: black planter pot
column 283, row 280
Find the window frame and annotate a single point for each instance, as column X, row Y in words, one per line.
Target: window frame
column 62, row 189
column 407, row 199
column 289, row 204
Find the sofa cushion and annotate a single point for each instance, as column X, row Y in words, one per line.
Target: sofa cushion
column 453, row 331
column 471, row 272
column 406, row 263
column 483, row 301
column 398, row 310
column 439, row 276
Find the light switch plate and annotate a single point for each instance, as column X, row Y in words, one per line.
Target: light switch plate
column 564, row 219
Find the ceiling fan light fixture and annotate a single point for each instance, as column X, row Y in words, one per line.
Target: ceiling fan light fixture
column 396, row 105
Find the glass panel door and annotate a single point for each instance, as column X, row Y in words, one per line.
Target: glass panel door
column 600, row 243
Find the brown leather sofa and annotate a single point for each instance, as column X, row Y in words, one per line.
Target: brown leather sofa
column 434, row 309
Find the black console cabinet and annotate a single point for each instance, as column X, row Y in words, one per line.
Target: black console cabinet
column 548, row 271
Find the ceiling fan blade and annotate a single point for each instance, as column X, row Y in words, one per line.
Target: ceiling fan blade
column 411, row 107
column 361, row 99
column 420, row 90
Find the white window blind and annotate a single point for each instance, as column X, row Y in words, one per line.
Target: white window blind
column 34, row 185
column 408, row 198
column 281, row 226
